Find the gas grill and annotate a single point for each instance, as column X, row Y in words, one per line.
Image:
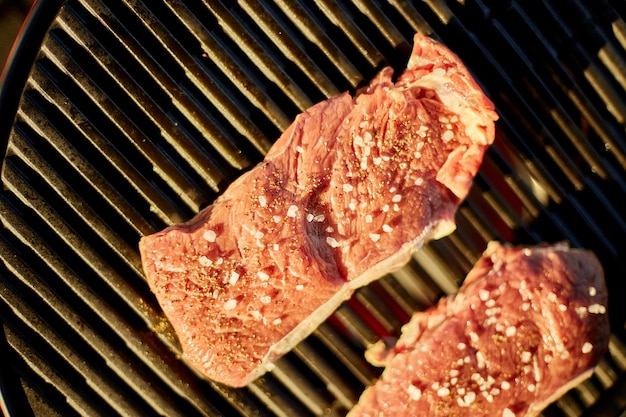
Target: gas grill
column 119, row 118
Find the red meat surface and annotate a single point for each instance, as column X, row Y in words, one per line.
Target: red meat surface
column 527, row 325
column 345, row 195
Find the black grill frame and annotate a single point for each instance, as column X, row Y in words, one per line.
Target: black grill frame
column 102, row 91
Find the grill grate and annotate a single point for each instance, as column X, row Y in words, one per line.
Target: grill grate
column 137, row 114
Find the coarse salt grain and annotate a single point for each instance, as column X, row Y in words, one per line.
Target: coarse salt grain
column 234, row 277
column 204, row 261
column 596, row 309
column 414, row 392
column 447, row 136
column 262, row 201
column 480, row 360
column 587, row 347
column 507, row 413
column 348, row 188
column 266, row 299
column 277, row 321
column 396, row 198
column 230, row 304
column 387, row 228
column 319, row 218
column 443, row 392
column 505, row 385
column 483, row 294
column 419, row 181
column 526, row 356
column 276, row 219
column 209, row 236
column 510, row 331
column 259, row 235
column 368, row 218
column 470, row 397
column 375, row 237
column 299, row 287
column 332, row 242
column 292, row 211
column 262, row 276
column 593, row 291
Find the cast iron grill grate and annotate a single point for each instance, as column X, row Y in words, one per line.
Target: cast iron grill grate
column 136, row 114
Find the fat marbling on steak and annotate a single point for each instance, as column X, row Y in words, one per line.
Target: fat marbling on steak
column 345, row 195
column 527, row 325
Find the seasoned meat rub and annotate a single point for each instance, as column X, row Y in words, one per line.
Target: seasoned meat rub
column 346, row 194
column 526, row 326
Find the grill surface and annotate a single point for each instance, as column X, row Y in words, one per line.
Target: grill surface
column 136, row 114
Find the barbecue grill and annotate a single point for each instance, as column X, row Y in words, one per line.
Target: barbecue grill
column 121, row 117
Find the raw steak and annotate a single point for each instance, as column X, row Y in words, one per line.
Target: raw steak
column 345, row 195
column 527, row 325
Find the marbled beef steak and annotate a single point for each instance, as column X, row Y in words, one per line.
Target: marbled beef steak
column 527, row 325
column 345, row 195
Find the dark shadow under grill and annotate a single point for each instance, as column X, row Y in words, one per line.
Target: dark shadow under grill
column 133, row 115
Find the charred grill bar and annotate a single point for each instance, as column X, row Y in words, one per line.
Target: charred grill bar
column 137, row 114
